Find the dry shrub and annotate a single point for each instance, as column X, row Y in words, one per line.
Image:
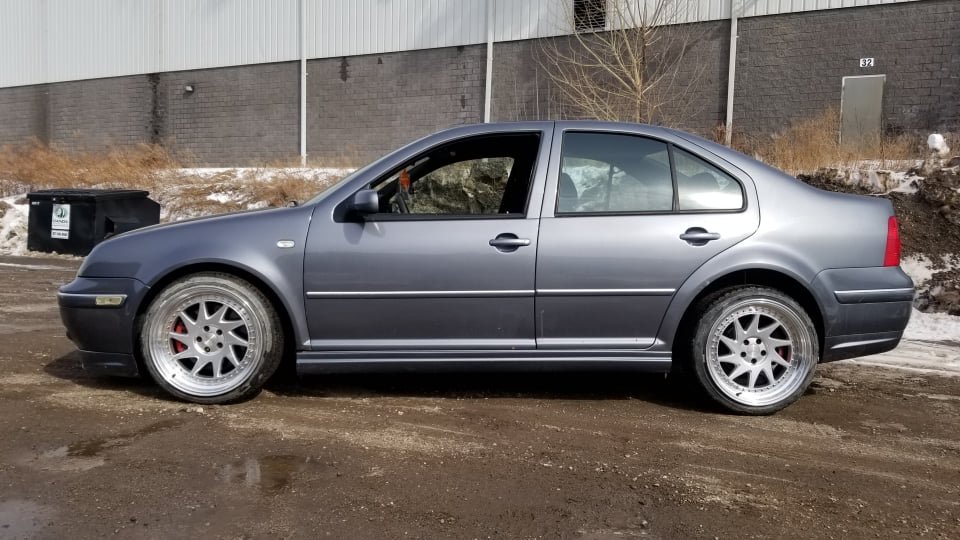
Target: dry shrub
column 233, row 190
column 808, row 144
column 181, row 192
column 38, row 166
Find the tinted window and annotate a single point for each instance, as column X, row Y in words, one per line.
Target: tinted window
column 701, row 186
column 484, row 175
column 605, row 172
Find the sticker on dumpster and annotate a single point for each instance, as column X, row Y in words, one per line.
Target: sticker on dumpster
column 61, row 218
column 62, row 235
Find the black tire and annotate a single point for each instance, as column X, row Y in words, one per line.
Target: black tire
column 243, row 370
column 718, row 319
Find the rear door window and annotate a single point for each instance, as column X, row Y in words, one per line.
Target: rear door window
column 701, row 186
column 613, row 173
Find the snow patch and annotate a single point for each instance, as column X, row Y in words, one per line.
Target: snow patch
column 938, row 145
column 920, row 267
column 221, row 198
column 13, row 225
column 932, row 327
column 917, row 357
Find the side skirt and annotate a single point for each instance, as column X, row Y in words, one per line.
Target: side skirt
column 323, row 362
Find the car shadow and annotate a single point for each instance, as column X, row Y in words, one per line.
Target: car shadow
column 68, row 368
column 674, row 392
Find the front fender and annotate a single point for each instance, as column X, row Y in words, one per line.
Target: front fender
column 246, row 241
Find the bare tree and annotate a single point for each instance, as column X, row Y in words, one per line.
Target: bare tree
column 625, row 60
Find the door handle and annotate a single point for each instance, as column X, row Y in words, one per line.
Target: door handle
column 509, row 242
column 698, row 236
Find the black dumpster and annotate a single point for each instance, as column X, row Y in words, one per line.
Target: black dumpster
column 74, row 220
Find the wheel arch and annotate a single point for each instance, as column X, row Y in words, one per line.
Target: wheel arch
column 775, row 278
column 262, row 284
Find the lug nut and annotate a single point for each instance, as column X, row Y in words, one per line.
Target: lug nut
column 206, row 349
column 219, row 332
column 220, row 345
column 206, row 328
column 199, row 339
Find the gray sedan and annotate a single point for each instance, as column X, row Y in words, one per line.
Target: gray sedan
column 558, row 245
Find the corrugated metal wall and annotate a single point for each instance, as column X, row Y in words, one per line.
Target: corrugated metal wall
column 59, row 40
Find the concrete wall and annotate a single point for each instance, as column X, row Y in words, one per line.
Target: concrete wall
column 788, row 67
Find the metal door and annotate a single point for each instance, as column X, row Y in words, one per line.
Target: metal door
column 861, row 110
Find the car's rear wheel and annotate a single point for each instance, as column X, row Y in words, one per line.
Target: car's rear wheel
column 211, row 338
column 754, row 350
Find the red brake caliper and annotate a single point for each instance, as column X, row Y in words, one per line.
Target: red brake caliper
column 179, row 328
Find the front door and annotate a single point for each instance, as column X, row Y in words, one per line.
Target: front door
column 633, row 217
column 449, row 261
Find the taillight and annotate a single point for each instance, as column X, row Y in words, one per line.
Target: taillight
column 891, row 256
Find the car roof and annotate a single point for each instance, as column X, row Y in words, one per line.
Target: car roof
column 587, row 125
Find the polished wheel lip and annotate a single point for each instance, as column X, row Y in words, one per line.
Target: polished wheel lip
column 167, row 361
column 769, row 341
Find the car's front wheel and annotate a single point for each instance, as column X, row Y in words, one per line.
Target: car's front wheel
column 211, row 338
column 754, row 350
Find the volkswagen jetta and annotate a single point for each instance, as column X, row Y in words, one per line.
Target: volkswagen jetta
column 565, row 245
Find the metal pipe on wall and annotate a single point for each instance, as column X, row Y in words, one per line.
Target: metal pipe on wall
column 303, row 83
column 731, row 74
column 488, row 88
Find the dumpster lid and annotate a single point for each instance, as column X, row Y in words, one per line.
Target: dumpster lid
column 86, row 194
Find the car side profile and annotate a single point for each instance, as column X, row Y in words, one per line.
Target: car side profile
column 566, row 245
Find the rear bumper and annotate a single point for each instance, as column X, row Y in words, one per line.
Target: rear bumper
column 99, row 315
column 865, row 310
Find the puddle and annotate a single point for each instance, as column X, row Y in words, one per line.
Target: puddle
column 86, row 455
column 270, row 474
column 22, row 519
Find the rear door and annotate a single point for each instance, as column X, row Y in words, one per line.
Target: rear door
column 627, row 217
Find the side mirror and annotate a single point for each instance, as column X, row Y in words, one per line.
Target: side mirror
column 365, row 201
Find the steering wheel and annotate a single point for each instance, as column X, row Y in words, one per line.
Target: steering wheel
column 398, row 203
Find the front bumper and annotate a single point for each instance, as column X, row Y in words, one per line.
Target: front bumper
column 99, row 315
column 865, row 310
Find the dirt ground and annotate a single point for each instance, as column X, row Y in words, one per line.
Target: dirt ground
column 869, row 452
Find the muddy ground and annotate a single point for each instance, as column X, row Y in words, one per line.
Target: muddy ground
column 869, row 452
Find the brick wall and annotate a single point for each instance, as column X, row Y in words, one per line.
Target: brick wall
column 236, row 115
column 23, row 113
column 791, row 66
column 77, row 115
column 361, row 107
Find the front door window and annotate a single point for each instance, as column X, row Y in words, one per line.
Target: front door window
column 481, row 176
